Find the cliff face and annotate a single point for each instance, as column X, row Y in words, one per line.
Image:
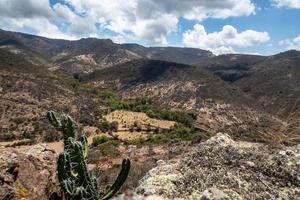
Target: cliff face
column 222, row 168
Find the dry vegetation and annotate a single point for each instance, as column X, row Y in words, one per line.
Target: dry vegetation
column 126, row 119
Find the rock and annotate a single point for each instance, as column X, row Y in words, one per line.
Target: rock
column 220, row 139
column 250, row 163
column 221, row 168
column 28, row 173
column 213, row 194
column 159, row 180
column 131, row 195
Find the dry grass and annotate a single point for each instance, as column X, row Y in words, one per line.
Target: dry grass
column 127, row 118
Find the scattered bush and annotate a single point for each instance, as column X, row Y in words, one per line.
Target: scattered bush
column 114, row 126
column 114, row 102
column 148, row 128
column 106, row 126
column 71, row 80
column 99, row 140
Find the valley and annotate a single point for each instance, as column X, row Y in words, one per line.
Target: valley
column 167, row 109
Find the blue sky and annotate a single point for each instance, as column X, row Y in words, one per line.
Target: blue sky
column 222, row 26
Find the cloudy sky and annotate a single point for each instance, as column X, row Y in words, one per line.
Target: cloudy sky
column 221, row 26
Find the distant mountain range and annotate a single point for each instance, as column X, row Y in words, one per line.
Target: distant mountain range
column 248, row 96
column 87, row 55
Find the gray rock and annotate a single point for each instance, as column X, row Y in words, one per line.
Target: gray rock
column 221, row 168
column 213, row 194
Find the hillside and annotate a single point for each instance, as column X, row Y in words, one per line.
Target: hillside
column 275, row 84
column 80, row 56
column 87, row 55
column 230, row 67
column 28, row 91
column 128, row 105
column 171, row 54
column 218, row 105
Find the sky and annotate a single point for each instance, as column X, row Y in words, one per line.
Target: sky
column 262, row 27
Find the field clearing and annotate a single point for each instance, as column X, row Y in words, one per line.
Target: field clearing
column 127, row 118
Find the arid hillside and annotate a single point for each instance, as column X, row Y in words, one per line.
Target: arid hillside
column 218, row 105
column 231, row 67
column 275, row 83
column 28, row 91
column 228, row 103
column 171, row 54
column 80, row 56
column 225, row 126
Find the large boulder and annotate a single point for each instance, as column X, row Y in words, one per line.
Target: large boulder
column 28, row 172
column 221, row 168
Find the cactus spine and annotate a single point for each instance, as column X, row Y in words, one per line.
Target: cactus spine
column 76, row 181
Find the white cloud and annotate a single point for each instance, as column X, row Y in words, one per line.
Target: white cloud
column 291, row 43
column 47, row 21
column 41, row 25
column 196, row 9
column 118, row 39
column 222, row 42
column 155, row 30
column 287, row 3
column 223, row 50
column 25, row 8
column 150, row 21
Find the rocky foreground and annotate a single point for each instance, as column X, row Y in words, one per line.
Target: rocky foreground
column 221, row 169
column 218, row 169
column 28, row 173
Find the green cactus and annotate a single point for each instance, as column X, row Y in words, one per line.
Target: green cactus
column 76, row 181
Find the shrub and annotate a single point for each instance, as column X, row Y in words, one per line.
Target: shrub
column 148, row 128
column 99, row 140
column 135, row 124
column 114, row 126
column 70, row 80
column 106, row 126
column 114, row 102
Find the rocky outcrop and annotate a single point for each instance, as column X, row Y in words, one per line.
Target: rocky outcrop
column 221, row 169
column 28, row 173
column 217, row 169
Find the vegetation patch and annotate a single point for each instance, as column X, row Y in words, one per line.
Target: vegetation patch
column 102, row 150
column 114, row 102
column 106, row 126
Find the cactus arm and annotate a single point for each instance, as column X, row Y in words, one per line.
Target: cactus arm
column 119, row 181
column 84, row 143
column 53, row 120
column 63, row 166
column 76, row 181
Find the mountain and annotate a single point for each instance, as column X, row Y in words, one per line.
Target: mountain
column 80, row 56
column 272, row 80
column 171, row 54
column 241, row 94
column 87, row 55
column 230, row 67
column 28, row 91
column 218, row 105
column 275, row 83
